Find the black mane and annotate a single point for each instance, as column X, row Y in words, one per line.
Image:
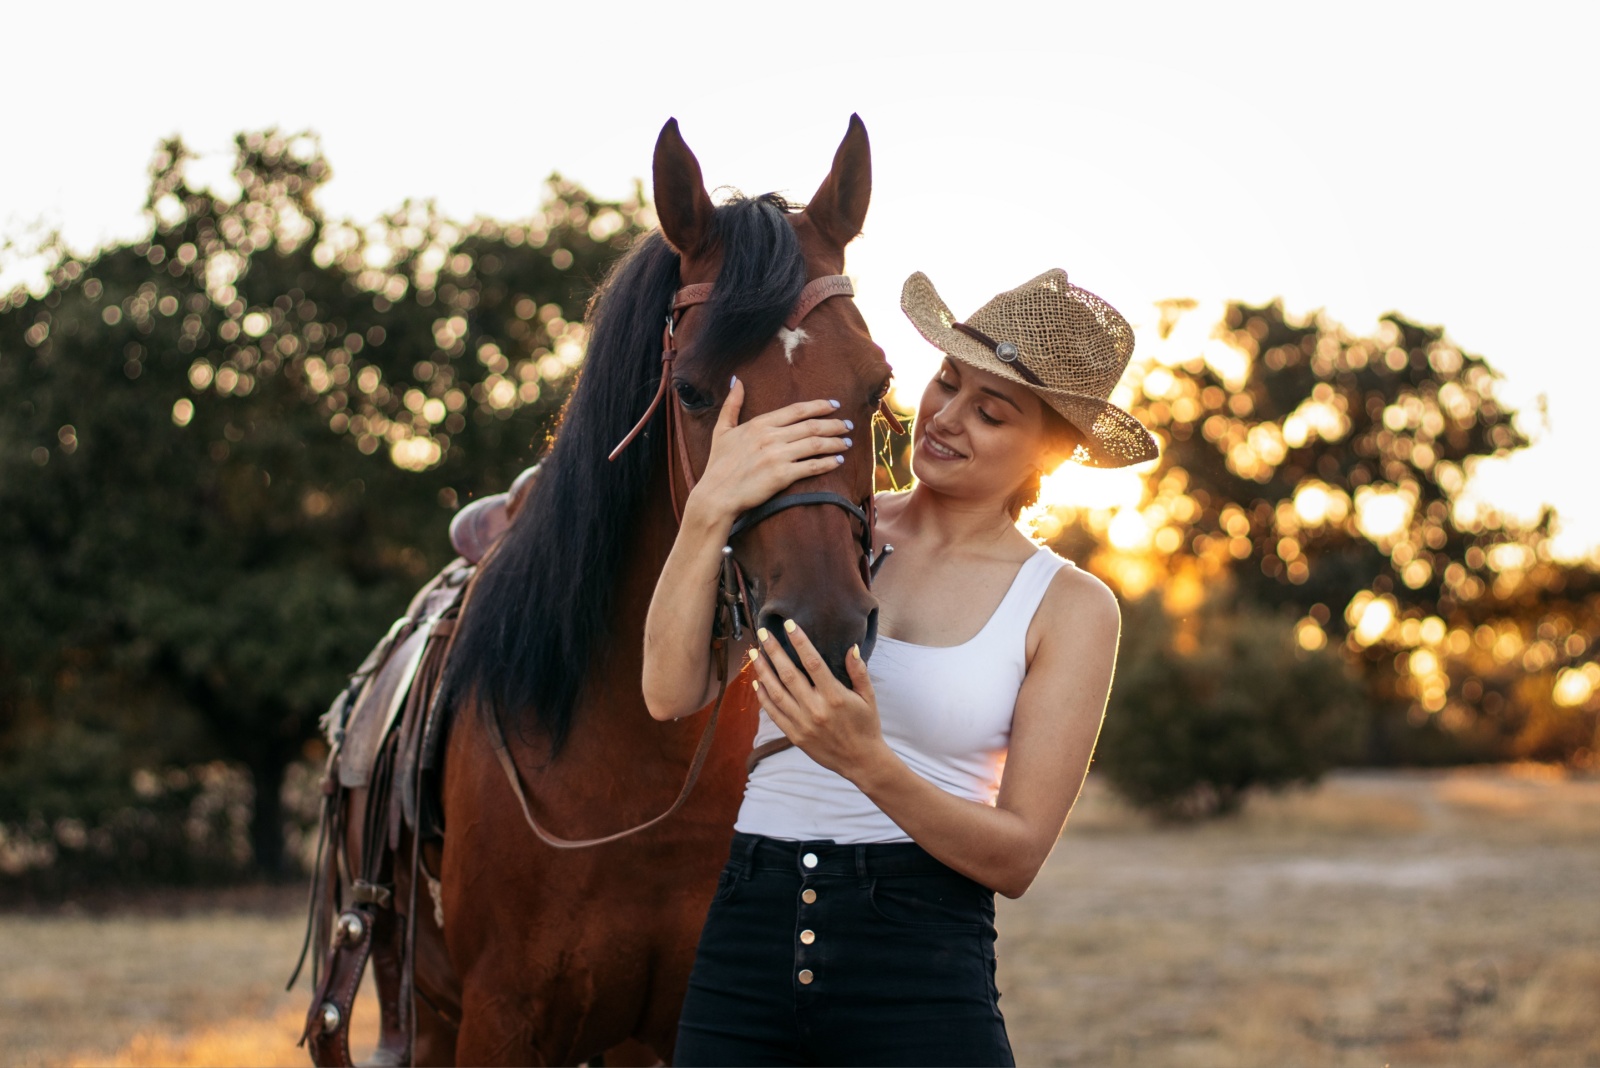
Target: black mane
column 544, row 602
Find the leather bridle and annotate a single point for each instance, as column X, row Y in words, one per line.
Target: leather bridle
column 733, row 601
column 814, row 293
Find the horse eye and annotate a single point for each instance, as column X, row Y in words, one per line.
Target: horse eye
column 690, row 397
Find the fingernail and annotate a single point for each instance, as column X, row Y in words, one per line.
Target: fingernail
column 834, row 403
column 733, row 381
column 755, row 684
column 855, row 651
column 849, row 424
column 753, row 654
column 847, row 443
column 788, row 625
column 761, row 635
column 840, row 458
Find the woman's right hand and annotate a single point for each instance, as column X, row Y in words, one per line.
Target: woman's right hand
column 752, row 461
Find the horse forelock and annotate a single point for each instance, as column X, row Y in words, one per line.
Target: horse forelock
column 758, row 282
column 546, row 599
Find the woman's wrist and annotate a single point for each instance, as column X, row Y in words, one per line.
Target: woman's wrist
column 876, row 768
column 707, row 518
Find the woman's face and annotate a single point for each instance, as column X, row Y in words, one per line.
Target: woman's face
column 977, row 434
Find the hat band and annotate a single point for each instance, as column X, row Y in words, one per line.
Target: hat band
column 1004, row 351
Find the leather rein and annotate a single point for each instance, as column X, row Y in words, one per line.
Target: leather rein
column 733, row 604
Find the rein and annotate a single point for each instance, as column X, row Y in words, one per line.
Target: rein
column 733, row 604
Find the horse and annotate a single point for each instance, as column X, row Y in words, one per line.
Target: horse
column 552, row 955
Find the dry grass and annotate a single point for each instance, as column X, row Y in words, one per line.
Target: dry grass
column 1400, row 918
column 1403, row 918
column 202, row 989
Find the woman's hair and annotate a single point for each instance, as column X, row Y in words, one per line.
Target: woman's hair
column 1060, row 437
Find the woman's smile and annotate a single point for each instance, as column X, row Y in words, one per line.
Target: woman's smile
column 938, row 450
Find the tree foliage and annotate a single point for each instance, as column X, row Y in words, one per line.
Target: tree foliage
column 1324, row 476
column 1204, row 711
column 229, row 454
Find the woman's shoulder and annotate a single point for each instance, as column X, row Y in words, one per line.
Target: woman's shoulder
column 1077, row 597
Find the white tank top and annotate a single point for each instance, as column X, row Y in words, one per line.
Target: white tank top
column 946, row 711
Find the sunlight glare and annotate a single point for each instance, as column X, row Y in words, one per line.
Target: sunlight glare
column 1129, row 532
column 1574, row 686
column 1382, row 514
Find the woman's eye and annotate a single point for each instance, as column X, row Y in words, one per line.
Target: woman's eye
column 987, row 418
column 690, row 397
column 946, row 386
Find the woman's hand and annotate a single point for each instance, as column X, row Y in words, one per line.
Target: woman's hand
column 836, row 726
column 750, row 462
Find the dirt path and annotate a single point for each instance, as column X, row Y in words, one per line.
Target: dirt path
column 1402, row 918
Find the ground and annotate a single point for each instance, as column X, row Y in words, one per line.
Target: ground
column 1406, row 918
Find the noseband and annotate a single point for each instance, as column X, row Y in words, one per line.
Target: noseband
column 733, row 597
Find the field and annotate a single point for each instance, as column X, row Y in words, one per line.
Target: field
column 1424, row 918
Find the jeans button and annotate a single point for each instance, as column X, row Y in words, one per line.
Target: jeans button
column 809, row 860
column 806, row 977
column 808, row 895
column 808, row 937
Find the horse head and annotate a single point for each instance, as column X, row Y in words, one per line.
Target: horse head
column 804, row 563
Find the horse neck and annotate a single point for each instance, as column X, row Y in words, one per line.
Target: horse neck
column 612, row 701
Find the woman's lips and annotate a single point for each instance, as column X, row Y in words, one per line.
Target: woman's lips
column 938, row 449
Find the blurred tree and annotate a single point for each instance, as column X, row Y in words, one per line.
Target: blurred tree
column 1193, row 724
column 229, row 454
column 1324, row 475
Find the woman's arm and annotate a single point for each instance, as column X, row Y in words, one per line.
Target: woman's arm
column 748, row 463
column 1053, row 732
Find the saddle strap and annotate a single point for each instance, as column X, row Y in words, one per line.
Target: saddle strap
column 328, row 1023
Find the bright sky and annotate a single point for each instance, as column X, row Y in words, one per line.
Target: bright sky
column 1434, row 159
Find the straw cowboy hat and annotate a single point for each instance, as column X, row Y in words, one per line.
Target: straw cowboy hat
column 1064, row 343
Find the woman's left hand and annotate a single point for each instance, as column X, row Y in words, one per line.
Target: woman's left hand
column 836, row 726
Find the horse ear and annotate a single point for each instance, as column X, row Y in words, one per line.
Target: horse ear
column 839, row 206
column 682, row 203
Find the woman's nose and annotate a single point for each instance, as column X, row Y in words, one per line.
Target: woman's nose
column 942, row 423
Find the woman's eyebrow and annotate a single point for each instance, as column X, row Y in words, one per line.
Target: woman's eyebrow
column 996, row 393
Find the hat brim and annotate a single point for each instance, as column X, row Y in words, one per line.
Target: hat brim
column 1112, row 436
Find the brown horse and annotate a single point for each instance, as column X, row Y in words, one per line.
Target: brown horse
column 551, row 956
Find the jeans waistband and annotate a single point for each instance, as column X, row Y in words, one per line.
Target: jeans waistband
column 827, row 857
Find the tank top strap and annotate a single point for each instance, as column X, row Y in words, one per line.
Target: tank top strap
column 1027, row 591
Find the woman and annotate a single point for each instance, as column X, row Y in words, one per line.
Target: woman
column 854, row 922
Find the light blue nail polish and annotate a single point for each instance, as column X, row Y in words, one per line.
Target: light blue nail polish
column 834, row 403
column 847, row 443
column 849, row 424
column 839, row 458
column 732, row 381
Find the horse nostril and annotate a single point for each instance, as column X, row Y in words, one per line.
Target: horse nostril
column 833, row 646
column 773, row 622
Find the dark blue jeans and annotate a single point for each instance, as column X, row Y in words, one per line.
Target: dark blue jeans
column 816, row 953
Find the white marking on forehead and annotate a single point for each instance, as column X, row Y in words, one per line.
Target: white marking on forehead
column 791, row 340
